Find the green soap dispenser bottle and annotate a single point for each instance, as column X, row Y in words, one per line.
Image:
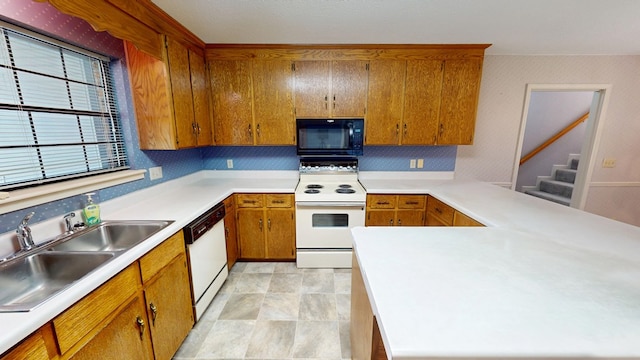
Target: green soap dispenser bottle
column 91, row 211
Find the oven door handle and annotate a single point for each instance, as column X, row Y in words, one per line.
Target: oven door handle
column 324, row 204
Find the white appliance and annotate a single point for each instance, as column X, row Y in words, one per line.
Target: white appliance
column 329, row 202
column 207, row 253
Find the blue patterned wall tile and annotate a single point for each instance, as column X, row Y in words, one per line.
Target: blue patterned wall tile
column 375, row 158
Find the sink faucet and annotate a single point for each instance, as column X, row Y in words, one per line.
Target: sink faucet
column 68, row 223
column 24, row 233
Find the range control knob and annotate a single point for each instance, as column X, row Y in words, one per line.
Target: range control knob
column 332, row 167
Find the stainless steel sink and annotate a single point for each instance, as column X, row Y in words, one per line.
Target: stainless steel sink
column 111, row 236
column 28, row 281
column 30, row 278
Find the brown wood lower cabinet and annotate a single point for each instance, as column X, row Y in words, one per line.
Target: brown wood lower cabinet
column 266, row 226
column 143, row 312
column 230, row 232
column 125, row 337
column 366, row 341
column 441, row 214
column 395, row 210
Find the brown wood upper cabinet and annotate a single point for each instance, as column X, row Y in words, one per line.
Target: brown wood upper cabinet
column 252, row 102
column 422, row 102
column 171, row 97
column 330, row 88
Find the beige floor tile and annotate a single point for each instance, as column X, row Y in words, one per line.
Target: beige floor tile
column 260, row 267
column 279, row 306
column 227, row 339
column 317, row 339
column 272, row 340
column 342, row 283
column 343, row 306
column 242, row 307
column 253, row 283
column 285, row 283
column 318, row 283
column 318, row 307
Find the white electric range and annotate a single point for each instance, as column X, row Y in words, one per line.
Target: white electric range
column 329, row 202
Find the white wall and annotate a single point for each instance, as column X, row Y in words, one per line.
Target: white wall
column 613, row 193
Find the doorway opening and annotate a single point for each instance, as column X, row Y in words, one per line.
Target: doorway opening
column 542, row 119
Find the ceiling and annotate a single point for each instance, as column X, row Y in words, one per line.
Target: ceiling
column 514, row 27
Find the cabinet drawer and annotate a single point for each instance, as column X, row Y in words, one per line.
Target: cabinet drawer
column 161, row 255
column 279, row 200
column 439, row 210
column 381, row 201
column 230, row 204
column 411, row 201
column 249, row 200
column 80, row 319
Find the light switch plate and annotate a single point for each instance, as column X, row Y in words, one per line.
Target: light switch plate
column 229, row 164
column 412, row 163
column 420, row 163
column 155, row 173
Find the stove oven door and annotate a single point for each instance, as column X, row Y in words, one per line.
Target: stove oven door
column 327, row 225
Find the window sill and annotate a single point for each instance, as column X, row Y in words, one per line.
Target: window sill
column 24, row 198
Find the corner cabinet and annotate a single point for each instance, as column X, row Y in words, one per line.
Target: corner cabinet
column 170, row 96
column 266, row 226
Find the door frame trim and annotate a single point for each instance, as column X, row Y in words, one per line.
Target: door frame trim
column 593, row 133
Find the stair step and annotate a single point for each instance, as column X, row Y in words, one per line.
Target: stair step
column 561, row 188
column 574, row 164
column 551, row 197
column 566, row 175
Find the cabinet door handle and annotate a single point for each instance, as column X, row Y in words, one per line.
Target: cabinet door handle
column 334, row 102
column 258, row 129
column 269, row 224
column 260, row 224
column 397, row 130
column 226, row 232
column 399, row 222
column 441, row 129
column 438, row 211
column 194, row 128
column 390, row 222
column 154, row 313
column 199, row 129
column 326, row 102
column 140, row 323
column 250, row 131
column 405, row 129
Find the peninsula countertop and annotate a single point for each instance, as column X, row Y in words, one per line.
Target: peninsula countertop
column 541, row 281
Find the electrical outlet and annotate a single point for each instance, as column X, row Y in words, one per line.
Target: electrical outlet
column 609, row 163
column 420, row 163
column 229, row 164
column 155, row 173
column 412, row 163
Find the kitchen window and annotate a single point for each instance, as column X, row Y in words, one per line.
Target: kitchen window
column 58, row 117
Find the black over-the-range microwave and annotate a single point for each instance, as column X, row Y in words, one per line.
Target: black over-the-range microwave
column 323, row 137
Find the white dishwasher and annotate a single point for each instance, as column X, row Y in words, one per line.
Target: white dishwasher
column 207, row 254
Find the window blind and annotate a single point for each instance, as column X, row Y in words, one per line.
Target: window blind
column 58, row 117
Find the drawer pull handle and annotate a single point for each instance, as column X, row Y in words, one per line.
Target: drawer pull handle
column 383, row 203
column 154, row 313
column 278, row 201
column 140, row 323
column 411, row 202
column 249, row 201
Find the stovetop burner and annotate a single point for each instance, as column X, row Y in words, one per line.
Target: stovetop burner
column 345, row 186
column 343, row 190
column 315, row 186
column 312, row 191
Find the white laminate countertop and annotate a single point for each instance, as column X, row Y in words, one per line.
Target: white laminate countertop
column 181, row 200
column 541, row 281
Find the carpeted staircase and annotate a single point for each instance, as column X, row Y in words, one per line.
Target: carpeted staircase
column 559, row 186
